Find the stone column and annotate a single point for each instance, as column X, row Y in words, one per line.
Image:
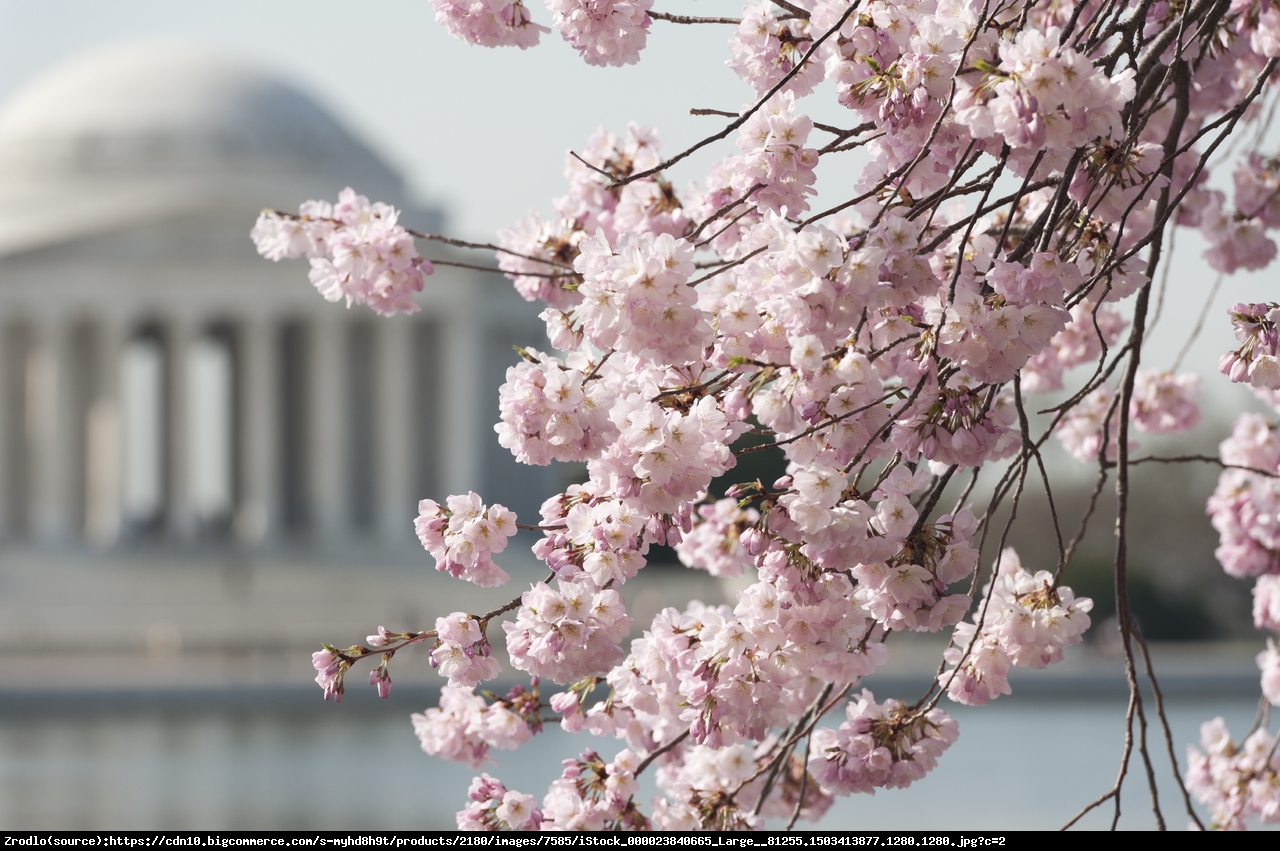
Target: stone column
column 103, row 438
column 328, row 423
column 180, row 517
column 50, row 431
column 258, row 384
column 11, row 431
column 397, row 504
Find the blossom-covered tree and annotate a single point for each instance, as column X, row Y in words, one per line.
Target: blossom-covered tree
column 1026, row 161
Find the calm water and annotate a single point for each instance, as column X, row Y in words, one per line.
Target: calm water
column 1028, row 763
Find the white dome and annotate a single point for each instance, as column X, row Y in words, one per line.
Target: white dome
column 145, row 130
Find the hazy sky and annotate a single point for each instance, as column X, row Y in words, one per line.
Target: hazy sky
column 485, row 131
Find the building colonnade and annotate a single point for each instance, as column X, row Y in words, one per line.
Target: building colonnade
column 222, row 428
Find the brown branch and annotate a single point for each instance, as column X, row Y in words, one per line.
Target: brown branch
column 1168, row 733
column 691, row 19
column 484, row 246
column 742, row 119
column 502, row 610
column 793, row 9
column 804, row 782
column 479, row 268
column 644, row 763
column 596, row 169
column 1208, row 459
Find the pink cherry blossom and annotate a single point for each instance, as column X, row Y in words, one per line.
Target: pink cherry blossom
column 605, row 32
column 463, row 536
column 358, row 252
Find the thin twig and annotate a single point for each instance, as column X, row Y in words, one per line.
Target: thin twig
column 1195, row 332
column 750, row 111
column 644, row 763
column 692, row 19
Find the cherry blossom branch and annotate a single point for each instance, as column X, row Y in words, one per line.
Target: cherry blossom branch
column 792, row 8
column 594, row 168
column 644, row 763
column 484, row 246
column 1092, row 199
column 436, row 262
column 720, row 212
column 1167, row 730
column 691, row 19
column 1029, row 446
column 1229, row 118
column 507, row 607
column 435, row 237
column 752, row 110
column 1208, row 459
column 747, row 450
column 804, row 782
column 726, row 267
column 808, row 720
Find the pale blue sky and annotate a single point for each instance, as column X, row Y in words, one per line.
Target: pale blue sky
column 484, row 131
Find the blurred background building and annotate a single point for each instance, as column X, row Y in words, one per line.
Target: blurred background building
column 160, row 380
column 177, row 414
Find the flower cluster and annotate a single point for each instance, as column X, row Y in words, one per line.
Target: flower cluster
column 1164, row 403
column 1082, row 341
column 994, row 335
column 775, row 170
column 594, row 795
column 726, row 676
column 1042, row 94
column 1026, row 620
column 956, row 426
column 538, row 255
column 1235, row 242
column 1269, row 663
column 765, row 48
column 1238, row 238
column 1256, row 360
column 568, row 632
column 699, row 785
column 605, row 32
column 664, row 457
column 635, row 297
column 462, row 536
column 489, row 23
column 592, row 539
column 550, row 411
column 493, row 807
column 910, row 591
column 358, row 252
column 880, row 745
column 330, row 667
column 1095, row 420
column 464, row 726
column 462, row 651
column 1235, row 780
column 1266, row 602
column 1245, row 505
column 715, row 542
